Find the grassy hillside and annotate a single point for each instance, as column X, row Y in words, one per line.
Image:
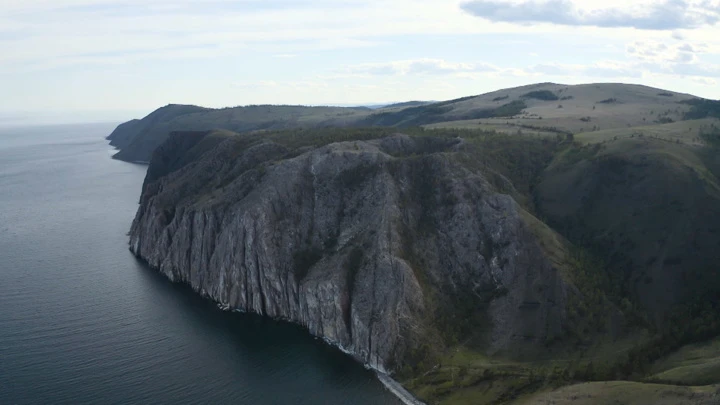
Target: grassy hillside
column 694, row 364
column 578, row 108
column 686, row 132
column 625, row 392
column 648, row 207
column 540, row 109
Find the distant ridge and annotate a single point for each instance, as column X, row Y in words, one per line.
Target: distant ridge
column 541, row 107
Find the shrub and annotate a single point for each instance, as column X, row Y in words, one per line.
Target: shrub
column 545, row 95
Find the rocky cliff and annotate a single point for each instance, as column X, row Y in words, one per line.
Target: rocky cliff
column 388, row 248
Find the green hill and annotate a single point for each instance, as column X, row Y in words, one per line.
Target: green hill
column 545, row 108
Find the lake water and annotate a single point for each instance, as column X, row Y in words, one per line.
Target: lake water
column 82, row 321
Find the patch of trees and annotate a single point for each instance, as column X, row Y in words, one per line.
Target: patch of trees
column 412, row 116
column 407, row 104
column 546, row 129
column 589, row 312
column 665, row 94
column 711, row 135
column 457, row 100
column 429, row 114
column 501, row 98
column 611, row 100
column 519, row 159
column 510, row 109
column 298, row 138
column 545, row 95
column 701, row 108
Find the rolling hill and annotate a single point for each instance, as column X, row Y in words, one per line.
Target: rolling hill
column 545, row 108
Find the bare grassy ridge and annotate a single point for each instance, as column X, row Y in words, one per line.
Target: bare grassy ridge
column 625, row 392
column 535, row 109
column 685, row 132
column 577, row 109
column 695, row 364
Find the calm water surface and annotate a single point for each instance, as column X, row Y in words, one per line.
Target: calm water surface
column 81, row 321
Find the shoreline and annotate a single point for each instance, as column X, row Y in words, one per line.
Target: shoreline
column 397, row 389
column 405, row 396
column 394, row 387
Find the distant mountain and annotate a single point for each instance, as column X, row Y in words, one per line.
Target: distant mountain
column 405, row 104
column 545, row 107
column 137, row 139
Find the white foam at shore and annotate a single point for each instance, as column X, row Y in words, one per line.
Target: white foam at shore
column 393, row 386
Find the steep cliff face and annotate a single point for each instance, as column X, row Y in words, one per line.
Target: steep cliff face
column 383, row 247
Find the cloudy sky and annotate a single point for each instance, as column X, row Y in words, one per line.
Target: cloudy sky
column 115, row 59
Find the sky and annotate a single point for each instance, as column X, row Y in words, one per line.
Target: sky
column 73, row 60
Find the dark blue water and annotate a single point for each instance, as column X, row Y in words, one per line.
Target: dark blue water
column 81, row 321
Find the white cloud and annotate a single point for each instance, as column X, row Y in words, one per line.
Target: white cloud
column 272, row 84
column 425, row 66
column 705, row 81
column 125, row 52
column 647, row 62
column 678, row 35
column 258, row 84
column 600, row 69
column 661, row 52
column 57, row 29
column 658, row 15
column 440, row 67
column 52, row 30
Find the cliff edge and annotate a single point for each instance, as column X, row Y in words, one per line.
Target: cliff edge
column 391, row 248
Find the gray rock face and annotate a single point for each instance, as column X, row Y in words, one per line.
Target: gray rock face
column 380, row 246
